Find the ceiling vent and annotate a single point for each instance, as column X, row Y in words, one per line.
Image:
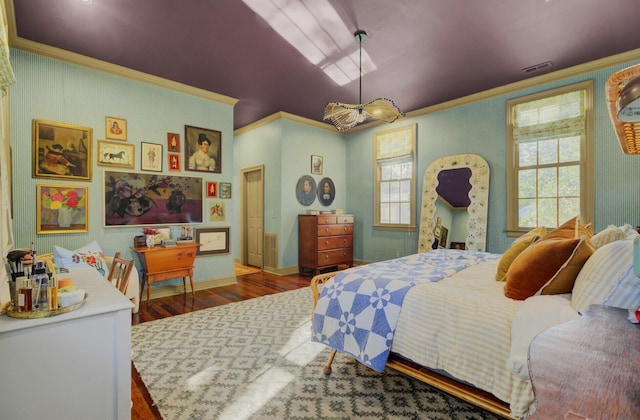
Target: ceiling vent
column 537, row 67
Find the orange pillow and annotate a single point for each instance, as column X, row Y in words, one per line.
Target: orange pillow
column 549, row 266
column 516, row 247
column 572, row 228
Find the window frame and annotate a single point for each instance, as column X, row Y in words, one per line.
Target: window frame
column 404, row 227
column 586, row 161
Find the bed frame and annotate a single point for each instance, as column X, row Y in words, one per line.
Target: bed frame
column 460, row 390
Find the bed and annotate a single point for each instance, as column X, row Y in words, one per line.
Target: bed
column 445, row 317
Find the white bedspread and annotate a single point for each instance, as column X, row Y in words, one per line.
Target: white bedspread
column 471, row 339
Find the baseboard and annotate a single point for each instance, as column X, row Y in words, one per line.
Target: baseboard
column 286, row 271
column 178, row 289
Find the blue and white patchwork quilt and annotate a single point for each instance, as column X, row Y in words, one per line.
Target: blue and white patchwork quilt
column 358, row 308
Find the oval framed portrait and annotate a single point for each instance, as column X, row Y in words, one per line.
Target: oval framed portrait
column 306, row 190
column 326, row 191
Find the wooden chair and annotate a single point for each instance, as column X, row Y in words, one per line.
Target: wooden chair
column 119, row 273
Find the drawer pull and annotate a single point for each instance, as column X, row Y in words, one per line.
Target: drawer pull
column 326, row 242
column 326, row 257
column 326, row 230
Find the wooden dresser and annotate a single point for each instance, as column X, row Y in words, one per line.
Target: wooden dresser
column 324, row 241
column 587, row 368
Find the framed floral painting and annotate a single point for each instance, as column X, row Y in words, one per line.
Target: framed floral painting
column 132, row 199
column 62, row 209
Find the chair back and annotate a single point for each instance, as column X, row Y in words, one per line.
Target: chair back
column 119, row 272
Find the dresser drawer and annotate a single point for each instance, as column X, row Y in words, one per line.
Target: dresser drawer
column 327, row 220
column 335, row 257
column 332, row 242
column 348, row 218
column 334, row 230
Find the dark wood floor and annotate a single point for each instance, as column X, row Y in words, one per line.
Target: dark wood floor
column 248, row 286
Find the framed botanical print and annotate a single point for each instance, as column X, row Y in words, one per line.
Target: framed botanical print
column 61, row 151
column 62, row 209
column 151, row 157
column 115, row 154
column 115, row 128
column 203, row 149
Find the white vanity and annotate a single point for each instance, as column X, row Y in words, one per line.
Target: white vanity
column 71, row 366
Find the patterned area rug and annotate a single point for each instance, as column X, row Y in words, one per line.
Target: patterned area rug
column 254, row 359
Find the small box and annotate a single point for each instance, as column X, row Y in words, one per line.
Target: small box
column 138, row 241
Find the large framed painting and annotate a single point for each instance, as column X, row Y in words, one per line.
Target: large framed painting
column 132, row 199
column 61, row 151
column 62, row 209
column 203, row 149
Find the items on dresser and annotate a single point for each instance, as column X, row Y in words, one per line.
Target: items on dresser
column 324, row 241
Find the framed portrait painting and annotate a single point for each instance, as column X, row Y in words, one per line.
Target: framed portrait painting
column 115, row 154
column 203, row 149
column 132, row 199
column 326, row 191
column 115, row 128
column 306, row 190
column 213, row 240
column 151, row 157
column 61, row 151
column 62, row 209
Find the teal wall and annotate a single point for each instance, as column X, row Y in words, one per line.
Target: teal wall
column 480, row 127
column 53, row 90
column 56, row 91
column 285, row 148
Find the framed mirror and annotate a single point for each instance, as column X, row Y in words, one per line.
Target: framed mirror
column 442, row 203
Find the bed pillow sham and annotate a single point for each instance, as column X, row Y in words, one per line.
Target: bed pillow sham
column 516, row 247
column 607, row 278
column 90, row 255
column 548, row 267
column 572, row 228
column 611, row 234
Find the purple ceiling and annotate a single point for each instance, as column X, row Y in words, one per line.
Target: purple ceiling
column 426, row 51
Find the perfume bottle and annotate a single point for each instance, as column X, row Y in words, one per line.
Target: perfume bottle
column 23, row 296
column 40, row 288
column 52, row 293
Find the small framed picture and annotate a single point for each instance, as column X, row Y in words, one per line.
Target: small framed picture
column 203, row 149
column 457, row 245
column 114, row 154
column 115, row 128
column 212, row 189
column 174, row 162
column 173, row 142
column 151, row 157
column 316, row 165
column 61, row 151
column 216, row 211
column 225, row 190
column 62, row 209
column 212, row 240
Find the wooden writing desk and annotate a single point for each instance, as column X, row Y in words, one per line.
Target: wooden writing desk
column 165, row 263
column 589, row 367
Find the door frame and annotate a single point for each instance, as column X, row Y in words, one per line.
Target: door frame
column 243, row 212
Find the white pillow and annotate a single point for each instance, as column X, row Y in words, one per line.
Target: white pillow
column 607, row 278
column 630, row 232
column 610, row 234
column 90, row 255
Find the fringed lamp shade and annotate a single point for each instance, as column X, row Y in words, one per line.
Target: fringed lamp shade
column 346, row 116
column 628, row 132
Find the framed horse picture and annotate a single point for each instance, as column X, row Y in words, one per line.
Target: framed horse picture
column 115, row 154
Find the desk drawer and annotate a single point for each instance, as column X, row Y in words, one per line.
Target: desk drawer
column 169, row 259
column 333, row 242
column 335, row 230
column 334, row 257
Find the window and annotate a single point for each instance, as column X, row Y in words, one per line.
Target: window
column 395, row 161
column 550, row 158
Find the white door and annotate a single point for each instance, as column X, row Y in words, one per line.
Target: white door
column 254, row 222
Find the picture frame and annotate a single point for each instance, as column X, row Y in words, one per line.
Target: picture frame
column 225, row 190
column 115, row 128
column 164, row 234
column 151, row 157
column 197, row 156
column 212, row 189
column 213, row 240
column 116, row 155
column 62, row 209
column 142, row 199
column 61, row 151
column 326, row 191
column 216, row 211
column 457, row 245
column 306, row 190
column 174, row 161
column 173, row 142
column 316, row 164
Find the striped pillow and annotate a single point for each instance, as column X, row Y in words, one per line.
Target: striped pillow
column 607, row 278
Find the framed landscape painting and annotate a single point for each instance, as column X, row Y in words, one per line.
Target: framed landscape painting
column 132, row 199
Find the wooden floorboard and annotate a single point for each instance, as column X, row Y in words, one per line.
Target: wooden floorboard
column 248, row 286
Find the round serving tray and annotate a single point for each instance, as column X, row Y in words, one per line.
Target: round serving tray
column 44, row 314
